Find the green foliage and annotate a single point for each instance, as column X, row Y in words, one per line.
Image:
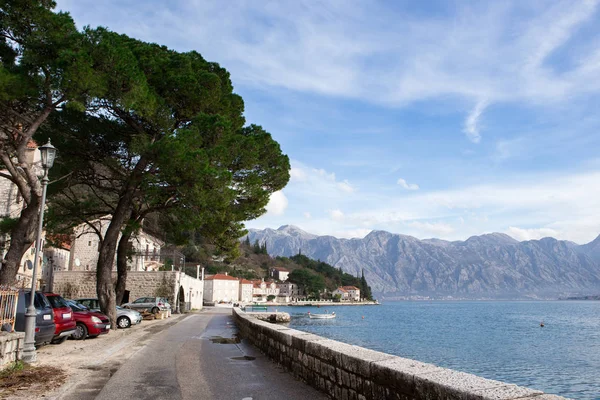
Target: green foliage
column 259, row 248
column 7, row 224
column 313, row 282
column 336, row 275
column 165, row 135
column 12, row 368
column 270, row 297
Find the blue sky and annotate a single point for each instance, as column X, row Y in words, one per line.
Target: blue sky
column 434, row 119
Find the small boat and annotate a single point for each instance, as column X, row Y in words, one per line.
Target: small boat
column 321, row 316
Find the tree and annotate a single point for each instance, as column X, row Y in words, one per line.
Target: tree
column 313, row 283
column 365, row 289
column 175, row 144
column 44, row 66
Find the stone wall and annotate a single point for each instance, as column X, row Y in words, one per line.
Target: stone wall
column 11, row 346
column 82, row 284
column 347, row 372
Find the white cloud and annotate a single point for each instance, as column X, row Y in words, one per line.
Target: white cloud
column 531, row 234
column 407, row 186
column 472, row 122
column 297, row 175
column 277, row 203
column 319, row 182
column 345, row 186
column 496, row 51
column 307, row 215
column 336, row 215
column 565, row 203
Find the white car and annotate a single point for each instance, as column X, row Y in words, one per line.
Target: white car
column 125, row 317
column 152, row 304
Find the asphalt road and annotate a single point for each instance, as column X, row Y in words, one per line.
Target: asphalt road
column 199, row 359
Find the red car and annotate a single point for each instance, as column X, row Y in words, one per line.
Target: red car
column 89, row 323
column 63, row 318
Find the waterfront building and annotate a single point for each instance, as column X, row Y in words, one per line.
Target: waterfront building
column 221, row 287
column 246, row 287
column 290, row 290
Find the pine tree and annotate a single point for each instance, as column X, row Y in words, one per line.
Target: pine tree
column 256, row 247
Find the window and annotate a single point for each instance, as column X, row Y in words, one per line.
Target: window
column 57, row 301
column 90, row 243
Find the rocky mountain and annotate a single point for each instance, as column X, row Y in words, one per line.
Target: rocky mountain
column 487, row 266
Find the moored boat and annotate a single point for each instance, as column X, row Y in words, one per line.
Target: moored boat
column 321, row 316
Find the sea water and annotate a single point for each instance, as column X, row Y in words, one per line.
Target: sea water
column 500, row 340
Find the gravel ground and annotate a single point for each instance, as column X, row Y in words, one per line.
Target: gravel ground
column 91, row 361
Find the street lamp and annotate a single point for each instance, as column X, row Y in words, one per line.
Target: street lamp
column 48, row 153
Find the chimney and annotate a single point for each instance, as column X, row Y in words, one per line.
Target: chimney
column 226, row 273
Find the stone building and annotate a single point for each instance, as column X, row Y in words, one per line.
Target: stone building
column 291, row 291
column 245, row 290
column 86, row 245
column 280, row 273
column 221, row 287
column 261, row 289
column 348, row 293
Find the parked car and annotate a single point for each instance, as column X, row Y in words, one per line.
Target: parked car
column 63, row 318
column 152, row 304
column 44, row 320
column 89, row 323
column 125, row 317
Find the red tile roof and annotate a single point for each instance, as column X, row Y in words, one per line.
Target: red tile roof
column 341, row 289
column 31, row 144
column 351, row 288
column 245, row 282
column 221, row 277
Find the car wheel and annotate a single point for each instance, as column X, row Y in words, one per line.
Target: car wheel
column 123, row 322
column 59, row 340
column 81, row 332
column 155, row 310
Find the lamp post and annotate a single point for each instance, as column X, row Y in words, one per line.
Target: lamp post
column 48, row 153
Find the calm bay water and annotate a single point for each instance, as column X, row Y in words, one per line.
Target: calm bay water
column 496, row 340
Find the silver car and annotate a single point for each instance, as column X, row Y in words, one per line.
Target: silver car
column 152, row 304
column 125, row 317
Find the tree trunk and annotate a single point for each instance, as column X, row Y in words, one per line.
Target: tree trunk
column 105, row 287
column 122, row 252
column 22, row 237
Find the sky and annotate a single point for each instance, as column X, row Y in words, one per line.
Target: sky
column 442, row 119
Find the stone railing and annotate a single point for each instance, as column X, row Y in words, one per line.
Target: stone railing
column 11, row 345
column 348, row 372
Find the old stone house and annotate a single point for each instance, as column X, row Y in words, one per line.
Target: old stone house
column 145, row 248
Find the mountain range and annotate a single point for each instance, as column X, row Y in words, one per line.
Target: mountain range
column 487, row 266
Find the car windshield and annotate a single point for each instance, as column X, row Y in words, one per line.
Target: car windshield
column 76, row 306
column 57, row 302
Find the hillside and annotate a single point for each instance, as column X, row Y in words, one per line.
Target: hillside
column 314, row 275
column 487, row 266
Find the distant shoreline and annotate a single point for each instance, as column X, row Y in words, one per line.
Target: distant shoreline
column 318, row 303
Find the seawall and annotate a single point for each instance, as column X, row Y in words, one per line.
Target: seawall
column 348, row 372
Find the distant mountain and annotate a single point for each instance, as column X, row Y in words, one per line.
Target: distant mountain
column 487, row 266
